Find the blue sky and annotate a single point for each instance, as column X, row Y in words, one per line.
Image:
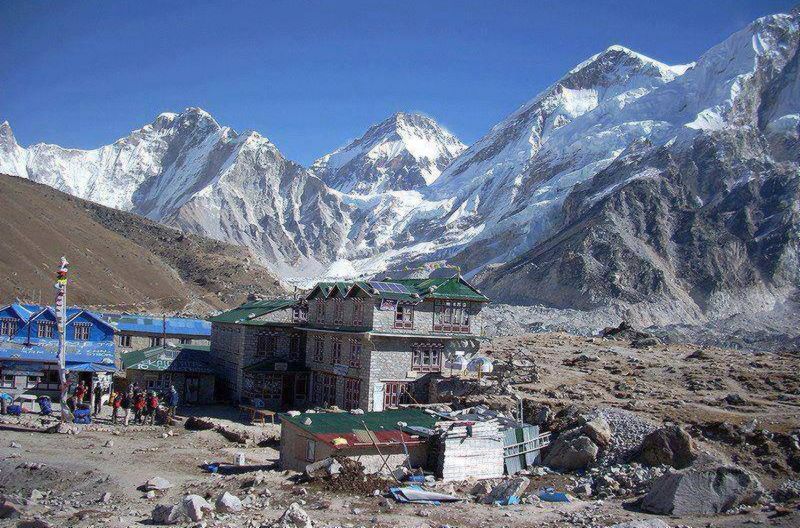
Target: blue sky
column 311, row 75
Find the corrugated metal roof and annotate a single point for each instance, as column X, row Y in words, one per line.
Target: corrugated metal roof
column 251, row 310
column 155, row 324
column 347, row 423
column 172, row 358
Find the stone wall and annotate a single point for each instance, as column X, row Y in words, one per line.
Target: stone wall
column 227, row 342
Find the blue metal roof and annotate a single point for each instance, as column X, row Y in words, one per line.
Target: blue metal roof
column 154, row 325
column 46, row 349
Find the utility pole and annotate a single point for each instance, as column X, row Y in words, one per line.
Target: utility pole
column 61, row 317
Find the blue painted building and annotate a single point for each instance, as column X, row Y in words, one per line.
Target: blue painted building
column 29, row 346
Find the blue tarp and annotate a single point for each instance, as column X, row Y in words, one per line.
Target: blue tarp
column 155, row 325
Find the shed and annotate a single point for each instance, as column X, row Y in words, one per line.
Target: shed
column 313, row 436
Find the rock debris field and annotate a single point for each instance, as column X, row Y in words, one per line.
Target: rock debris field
column 650, row 435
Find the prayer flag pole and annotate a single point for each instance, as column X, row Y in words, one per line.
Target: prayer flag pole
column 61, row 317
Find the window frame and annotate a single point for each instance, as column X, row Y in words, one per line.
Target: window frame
column 433, row 352
column 318, row 354
column 50, row 328
column 355, row 356
column 358, row 312
column 266, row 345
column 338, row 311
column 126, row 341
column 156, row 341
column 7, row 380
column 9, row 326
column 83, row 327
column 404, row 316
column 352, row 393
column 452, row 316
column 396, row 393
column 336, row 350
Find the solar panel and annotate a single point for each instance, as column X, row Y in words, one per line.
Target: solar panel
column 389, row 287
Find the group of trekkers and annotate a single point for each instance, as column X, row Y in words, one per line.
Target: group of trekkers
column 140, row 403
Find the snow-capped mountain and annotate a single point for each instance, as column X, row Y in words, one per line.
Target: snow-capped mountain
column 626, row 181
column 404, row 152
column 188, row 171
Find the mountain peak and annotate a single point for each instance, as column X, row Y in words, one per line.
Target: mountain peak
column 406, row 151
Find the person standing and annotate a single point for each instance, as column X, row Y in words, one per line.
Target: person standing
column 98, row 398
column 80, row 392
column 152, row 407
column 138, row 407
column 172, row 402
column 125, row 404
column 116, row 404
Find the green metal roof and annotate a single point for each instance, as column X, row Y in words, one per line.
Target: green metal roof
column 345, row 422
column 251, row 310
column 431, row 288
column 175, row 358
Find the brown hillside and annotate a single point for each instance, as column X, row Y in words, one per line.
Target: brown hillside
column 117, row 260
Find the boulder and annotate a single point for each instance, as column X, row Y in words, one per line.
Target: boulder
column 196, row 506
column 705, row 488
column 670, row 446
column 197, row 423
column 293, row 517
column 168, row 514
column 571, row 450
column 645, row 342
column 327, row 467
column 228, row 503
column 9, row 510
column 513, row 487
column 157, row 483
column 598, row 431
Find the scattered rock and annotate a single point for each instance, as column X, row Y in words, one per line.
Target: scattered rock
column 293, row 517
column 735, row 399
column 15, row 445
column 598, row 430
column 36, row 495
column 327, row 467
column 503, row 491
column 168, row 514
column 9, row 510
column 645, row 342
column 642, row 523
column 228, row 503
column 105, row 498
column 109, row 443
column 705, row 488
column 196, row 506
column 157, row 483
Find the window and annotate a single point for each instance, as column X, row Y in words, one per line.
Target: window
column 45, row 329
column 299, row 314
column 311, row 448
column 426, row 358
column 324, row 388
column 320, row 311
column 338, row 311
column 32, row 381
column 352, row 393
column 82, row 331
column 396, row 393
column 7, row 381
column 358, row 312
column 8, row 326
column 155, row 341
column 451, row 316
column 294, row 348
column 355, row 353
column 301, row 388
column 319, row 349
column 186, row 341
column 404, row 316
column 125, row 341
column 162, row 381
column 266, row 345
column 336, row 350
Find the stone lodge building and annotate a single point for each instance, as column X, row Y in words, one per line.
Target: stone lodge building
column 374, row 345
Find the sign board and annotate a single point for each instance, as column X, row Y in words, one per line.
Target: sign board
column 340, row 370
